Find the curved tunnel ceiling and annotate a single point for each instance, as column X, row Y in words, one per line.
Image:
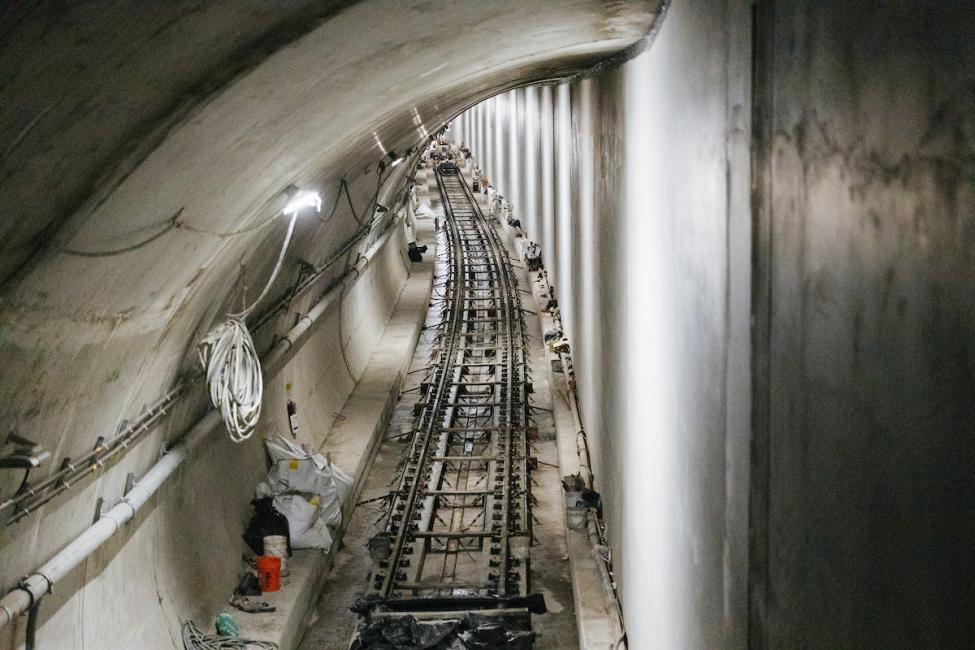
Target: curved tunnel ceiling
column 112, row 122
column 90, row 95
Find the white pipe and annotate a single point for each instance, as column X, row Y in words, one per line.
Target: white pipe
column 286, row 347
column 39, row 584
column 36, row 586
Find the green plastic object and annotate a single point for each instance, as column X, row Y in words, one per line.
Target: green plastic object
column 227, row 626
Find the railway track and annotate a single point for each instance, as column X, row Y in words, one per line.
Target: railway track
column 455, row 545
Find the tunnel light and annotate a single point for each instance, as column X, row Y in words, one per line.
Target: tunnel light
column 303, row 199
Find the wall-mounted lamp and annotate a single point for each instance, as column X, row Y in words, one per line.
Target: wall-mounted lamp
column 303, row 199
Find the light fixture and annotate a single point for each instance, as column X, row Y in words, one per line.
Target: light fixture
column 303, row 199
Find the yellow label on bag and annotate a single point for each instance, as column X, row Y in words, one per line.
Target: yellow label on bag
column 293, row 465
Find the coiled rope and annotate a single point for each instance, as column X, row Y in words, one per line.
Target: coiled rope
column 194, row 639
column 233, row 368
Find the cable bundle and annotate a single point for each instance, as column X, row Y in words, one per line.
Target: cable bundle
column 233, row 369
column 234, row 376
column 194, row 639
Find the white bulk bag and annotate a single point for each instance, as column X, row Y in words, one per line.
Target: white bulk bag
column 297, row 470
column 305, row 524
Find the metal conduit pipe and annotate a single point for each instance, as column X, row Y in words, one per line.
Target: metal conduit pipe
column 582, row 446
column 286, row 347
column 596, row 540
column 592, row 521
column 37, row 585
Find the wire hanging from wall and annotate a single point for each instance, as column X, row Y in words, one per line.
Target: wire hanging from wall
column 233, row 368
column 172, row 222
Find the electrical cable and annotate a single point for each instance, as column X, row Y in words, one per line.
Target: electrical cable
column 194, row 639
column 344, row 189
column 345, row 356
column 347, row 267
column 32, row 614
column 373, row 203
column 233, row 368
column 335, row 204
column 348, row 198
column 171, row 223
column 234, row 378
column 277, row 268
column 233, row 233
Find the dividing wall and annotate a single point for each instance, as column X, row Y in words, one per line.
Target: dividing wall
column 635, row 183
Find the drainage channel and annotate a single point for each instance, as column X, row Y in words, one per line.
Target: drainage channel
column 453, row 560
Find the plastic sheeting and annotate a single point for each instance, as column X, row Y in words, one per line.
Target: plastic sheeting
column 474, row 631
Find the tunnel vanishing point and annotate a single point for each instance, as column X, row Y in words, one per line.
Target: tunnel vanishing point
column 499, row 324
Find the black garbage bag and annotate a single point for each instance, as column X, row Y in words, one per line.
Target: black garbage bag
column 266, row 521
column 365, row 603
column 402, row 632
column 414, row 252
column 409, row 632
column 483, row 631
column 475, row 631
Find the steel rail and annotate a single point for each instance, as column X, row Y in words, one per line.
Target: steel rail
column 475, row 396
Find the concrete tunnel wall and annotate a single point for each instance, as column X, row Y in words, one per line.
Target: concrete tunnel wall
column 635, row 184
column 180, row 559
column 113, row 122
column 865, row 338
column 824, row 502
column 810, row 489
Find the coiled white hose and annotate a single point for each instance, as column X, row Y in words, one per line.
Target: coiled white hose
column 233, row 368
column 234, row 376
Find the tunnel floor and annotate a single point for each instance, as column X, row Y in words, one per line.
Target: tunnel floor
column 330, row 623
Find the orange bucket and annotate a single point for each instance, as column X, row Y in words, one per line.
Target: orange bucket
column 269, row 572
